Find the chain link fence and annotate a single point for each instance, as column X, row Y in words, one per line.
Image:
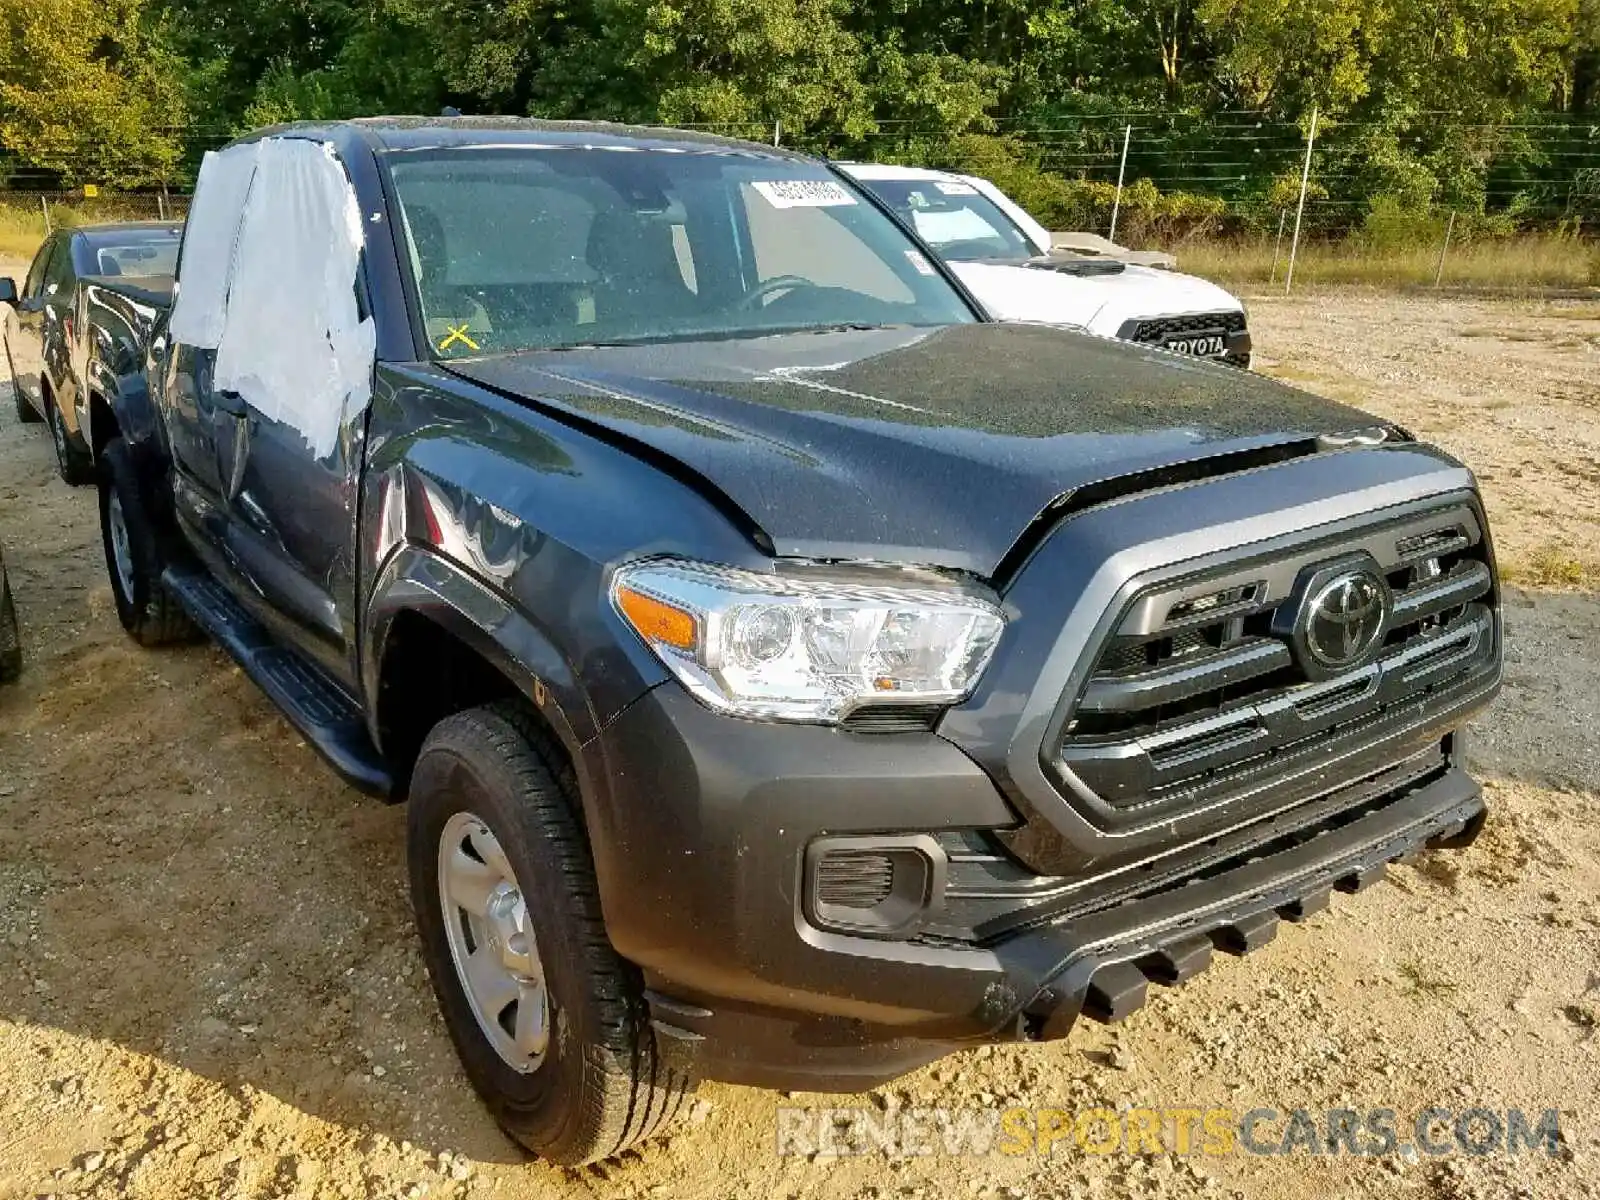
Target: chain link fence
column 1226, row 191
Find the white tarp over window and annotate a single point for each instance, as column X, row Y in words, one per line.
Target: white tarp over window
column 288, row 336
column 208, row 239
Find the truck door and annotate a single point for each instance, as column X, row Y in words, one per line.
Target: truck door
column 61, row 330
column 184, row 350
column 25, row 324
column 294, row 373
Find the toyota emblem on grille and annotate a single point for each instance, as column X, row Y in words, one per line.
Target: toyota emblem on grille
column 1343, row 619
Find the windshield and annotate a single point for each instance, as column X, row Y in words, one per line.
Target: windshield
column 955, row 218
column 137, row 252
column 530, row 249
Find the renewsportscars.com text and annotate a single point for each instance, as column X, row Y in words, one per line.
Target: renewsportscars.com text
column 976, row 1132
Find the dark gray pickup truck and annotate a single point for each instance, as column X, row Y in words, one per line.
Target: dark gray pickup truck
column 793, row 677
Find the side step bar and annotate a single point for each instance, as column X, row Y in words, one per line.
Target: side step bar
column 315, row 705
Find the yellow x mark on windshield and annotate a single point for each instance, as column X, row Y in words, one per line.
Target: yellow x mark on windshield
column 457, row 333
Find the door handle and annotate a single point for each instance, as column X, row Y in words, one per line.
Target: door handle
column 231, row 403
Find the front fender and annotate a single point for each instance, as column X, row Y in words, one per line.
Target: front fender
column 417, row 579
column 131, row 406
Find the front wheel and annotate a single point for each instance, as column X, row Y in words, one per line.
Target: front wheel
column 25, row 411
column 550, row 1023
column 133, row 557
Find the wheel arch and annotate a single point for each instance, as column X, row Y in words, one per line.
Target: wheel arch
column 130, row 410
column 103, row 425
column 438, row 641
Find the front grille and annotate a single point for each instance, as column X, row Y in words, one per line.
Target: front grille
column 1200, row 693
column 1156, row 330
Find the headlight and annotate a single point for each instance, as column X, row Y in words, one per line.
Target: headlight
column 807, row 649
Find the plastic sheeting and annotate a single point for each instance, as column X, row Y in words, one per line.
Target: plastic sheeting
column 277, row 297
column 208, row 240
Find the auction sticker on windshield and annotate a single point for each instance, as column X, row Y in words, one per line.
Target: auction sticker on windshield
column 957, row 189
column 803, row 193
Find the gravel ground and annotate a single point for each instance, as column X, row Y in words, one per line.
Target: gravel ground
column 211, row 986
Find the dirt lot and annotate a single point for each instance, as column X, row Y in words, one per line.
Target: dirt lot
column 210, row 983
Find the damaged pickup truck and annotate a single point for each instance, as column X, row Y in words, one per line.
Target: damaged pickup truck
column 793, row 676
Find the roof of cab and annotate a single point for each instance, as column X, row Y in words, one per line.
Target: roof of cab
column 433, row 133
column 116, row 227
column 895, row 171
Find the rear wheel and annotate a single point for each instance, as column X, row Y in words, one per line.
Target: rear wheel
column 133, row 556
column 10, row 634
column 551, row 1025
column 73, row 465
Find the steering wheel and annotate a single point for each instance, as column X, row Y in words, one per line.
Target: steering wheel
column 778, row 283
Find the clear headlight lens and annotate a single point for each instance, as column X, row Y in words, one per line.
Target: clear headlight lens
column 807, row 649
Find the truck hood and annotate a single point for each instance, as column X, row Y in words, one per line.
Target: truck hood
column 934, row 447
column 1098, row 303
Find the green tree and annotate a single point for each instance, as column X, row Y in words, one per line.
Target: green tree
column 1284, row 56
column 89, row 89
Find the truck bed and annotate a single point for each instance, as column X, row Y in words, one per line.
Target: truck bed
column 154, row 290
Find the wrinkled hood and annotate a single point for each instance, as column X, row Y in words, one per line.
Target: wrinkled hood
column 933, row 447
column 1099, row 303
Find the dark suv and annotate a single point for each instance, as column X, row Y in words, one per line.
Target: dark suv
column 65, row 344
column 793, row 676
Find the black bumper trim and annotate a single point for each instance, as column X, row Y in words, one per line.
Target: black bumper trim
column 1035, row 985
column 1292, row 886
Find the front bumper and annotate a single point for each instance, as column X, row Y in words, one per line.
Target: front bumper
column 702, row 863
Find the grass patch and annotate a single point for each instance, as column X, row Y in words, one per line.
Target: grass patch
column 1418, row 982
column 1550, row 565
column 22, row 224
column 1509, row 264
column 20, row 231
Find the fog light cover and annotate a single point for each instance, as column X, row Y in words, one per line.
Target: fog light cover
column 874, row 885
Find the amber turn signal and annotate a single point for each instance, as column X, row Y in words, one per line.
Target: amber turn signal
column 657, row 621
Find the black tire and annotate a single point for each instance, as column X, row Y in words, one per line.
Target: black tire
column 25, row 411
column 75, row 467
column 10, row 634
column 602, row 1085
column 146, row 609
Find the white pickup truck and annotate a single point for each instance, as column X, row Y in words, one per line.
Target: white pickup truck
column 1003, row 256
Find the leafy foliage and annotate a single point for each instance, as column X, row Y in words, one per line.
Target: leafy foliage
column 87, row 89
column 130, row 91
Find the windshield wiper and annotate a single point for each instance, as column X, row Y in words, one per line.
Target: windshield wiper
column 843, row 327
column 709, row 335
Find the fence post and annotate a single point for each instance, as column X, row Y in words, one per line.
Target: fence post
column 1122, row 171
column 1438, row 277
column 1277, row 248
column 45, row 205
column 777, row 132
column 1300, row 210
column 161, row 202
